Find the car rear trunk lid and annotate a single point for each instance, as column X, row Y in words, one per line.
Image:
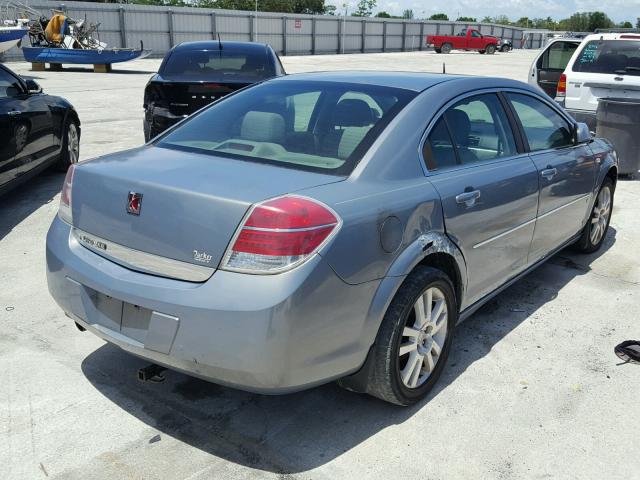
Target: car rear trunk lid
column 191, row 204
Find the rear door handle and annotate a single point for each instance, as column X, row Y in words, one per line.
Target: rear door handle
column 549, row 173
column 468, row 198
column 14, row 113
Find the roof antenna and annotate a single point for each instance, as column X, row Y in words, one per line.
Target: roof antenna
column 444, row 69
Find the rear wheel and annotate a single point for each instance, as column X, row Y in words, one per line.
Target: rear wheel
column 414, row 340
column 446, row 48
column 597, row 226
column 70, row 152
column 491, row 49
column 504, row 48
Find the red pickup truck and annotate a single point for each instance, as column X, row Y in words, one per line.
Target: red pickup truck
column 467, row 39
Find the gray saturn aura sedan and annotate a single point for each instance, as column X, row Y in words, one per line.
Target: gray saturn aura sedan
column 328, row 226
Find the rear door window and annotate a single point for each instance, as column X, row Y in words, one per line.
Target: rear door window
column 474, row 130
column 610, row 57
column 544, row 128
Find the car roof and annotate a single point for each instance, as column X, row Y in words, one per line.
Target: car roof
column 415, row 81
column 215, row 45
column 613, row 36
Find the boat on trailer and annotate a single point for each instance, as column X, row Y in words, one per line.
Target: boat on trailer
column 10, row 35
column 58, row 39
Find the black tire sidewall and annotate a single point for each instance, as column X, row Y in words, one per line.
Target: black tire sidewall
column 430, row 277
column 446, row 48
column 584, row 244
column 491, row 49
column 64, row 162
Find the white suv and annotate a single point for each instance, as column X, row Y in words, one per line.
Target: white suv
column 604, row 65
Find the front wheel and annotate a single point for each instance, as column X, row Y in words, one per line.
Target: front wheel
column 414, row 340
column 595, row 230
column 491, row 49
column 70, row 152
column 446, row 48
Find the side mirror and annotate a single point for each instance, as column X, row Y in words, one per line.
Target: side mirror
column 582, row 133
column 33, row 86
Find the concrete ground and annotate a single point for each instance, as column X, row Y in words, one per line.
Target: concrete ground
column 532, row 390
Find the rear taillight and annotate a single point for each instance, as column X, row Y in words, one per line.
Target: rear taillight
column 561, row 91
column 64, row 211
column 280, row 234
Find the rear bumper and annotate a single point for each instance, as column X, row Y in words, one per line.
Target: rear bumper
column 267, row 334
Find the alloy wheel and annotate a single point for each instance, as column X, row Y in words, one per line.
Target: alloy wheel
column 600, row 215
column 73, row 143
column 423, row 338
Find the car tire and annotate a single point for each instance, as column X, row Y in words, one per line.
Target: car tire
column 70, row 151
column 438, row 50
column 595, row 231
column 446, row 48
column 482, row 52
column 491, row 49
column 504, row 48
column 402, row 379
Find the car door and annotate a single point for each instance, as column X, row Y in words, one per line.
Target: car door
column 32, row 123
column 550, row 65
column 475, row 40
column 8, row 91
column 567, row 172
column 488, row 187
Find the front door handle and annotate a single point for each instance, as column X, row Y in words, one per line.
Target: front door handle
column 549, row 173
column 15, row 113
column 468, row 198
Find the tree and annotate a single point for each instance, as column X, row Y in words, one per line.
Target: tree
column 364, row 8
column 466, row 19
column 383, row 14
column 439, row 16
column 625, row 25
column 599, row 20
column 408, row 14
column 502, row 20
column 638, row 22
column 487, row 19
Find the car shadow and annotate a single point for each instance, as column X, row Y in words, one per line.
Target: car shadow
column 301, row 431
column 20, row 202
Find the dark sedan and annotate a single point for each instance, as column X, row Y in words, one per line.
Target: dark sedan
column 36, row 130
column 194, row 74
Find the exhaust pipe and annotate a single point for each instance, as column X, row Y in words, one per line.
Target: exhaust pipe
column 151, row 373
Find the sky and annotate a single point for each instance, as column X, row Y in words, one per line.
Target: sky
column 618, row 10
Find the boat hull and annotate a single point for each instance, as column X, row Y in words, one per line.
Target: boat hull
column 10, row 36
column 81, row 57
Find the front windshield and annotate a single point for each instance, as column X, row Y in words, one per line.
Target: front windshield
column 621, row 57
column 318, row 126
column 226, row 64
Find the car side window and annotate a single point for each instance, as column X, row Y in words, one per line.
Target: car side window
column 480, row 129
column 438, row 150
column 9, row 85
column 542, row 125
column 557, row 56
column 475, row 34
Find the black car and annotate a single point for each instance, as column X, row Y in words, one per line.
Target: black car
column 505, row 45
column 36, row 130
column 194, row 74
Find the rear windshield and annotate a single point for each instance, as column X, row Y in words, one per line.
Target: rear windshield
column 620, row 57
column 318, row 126
column 219, row 65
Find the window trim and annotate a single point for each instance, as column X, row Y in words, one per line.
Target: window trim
column 515, row 129
column 563, row 115
column 19, row 80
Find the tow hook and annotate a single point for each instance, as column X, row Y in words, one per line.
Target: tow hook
column 151, row 373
